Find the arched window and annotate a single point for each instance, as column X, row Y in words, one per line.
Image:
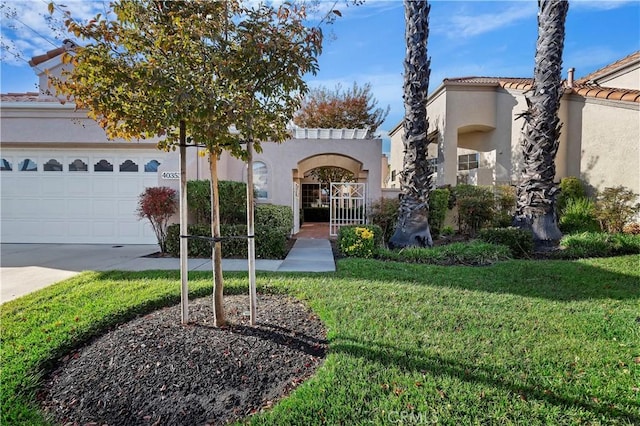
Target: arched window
column 53, row 166
column 78, row 165
column 128, row 166
column 103, row 166
column 151, row 166
column 261, row 180
column 5, row 165
column 28, row 165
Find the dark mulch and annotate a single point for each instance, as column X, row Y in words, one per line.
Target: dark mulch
column 154, row 371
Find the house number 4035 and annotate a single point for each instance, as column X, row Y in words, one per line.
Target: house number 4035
column 170, row 175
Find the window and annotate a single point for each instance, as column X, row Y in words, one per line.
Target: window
column 128, row 166
column 261, row 180
column 52, row 166
column 468, row 162
column 78, row 165
column 432, row 165
column 103, row 166
column 27, row 165
column 393, row 175
column 151, row 166
column 5, row 165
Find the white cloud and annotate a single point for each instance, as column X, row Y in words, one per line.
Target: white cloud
column 600, row 5
column 465, row 24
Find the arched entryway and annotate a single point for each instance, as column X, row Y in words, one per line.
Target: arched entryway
column 312, row 189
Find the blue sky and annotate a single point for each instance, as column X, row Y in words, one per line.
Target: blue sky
column 467, row 38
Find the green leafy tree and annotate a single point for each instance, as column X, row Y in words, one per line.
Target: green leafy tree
column 413, row 215
column 536, row 193
column 332, row 174
column 353, row 108
column 202, row 65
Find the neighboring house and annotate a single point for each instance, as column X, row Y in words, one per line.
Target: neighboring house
column 63, row 181
column 474, row 126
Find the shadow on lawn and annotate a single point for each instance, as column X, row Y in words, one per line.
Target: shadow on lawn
column 553, row 280
column 415, row 361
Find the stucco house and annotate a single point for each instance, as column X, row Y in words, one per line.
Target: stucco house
column 475, row 131
column 63, row 181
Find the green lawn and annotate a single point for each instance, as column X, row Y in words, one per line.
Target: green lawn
column 519, row 342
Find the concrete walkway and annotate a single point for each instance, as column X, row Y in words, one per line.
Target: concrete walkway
column 28, row 267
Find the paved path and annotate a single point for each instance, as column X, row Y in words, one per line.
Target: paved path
column 28, row 267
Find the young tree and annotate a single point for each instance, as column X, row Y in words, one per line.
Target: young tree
column 354, row 108
column 412, row 228
column 158, row 204
column 209, row 65
column 536, row 193
column 332, row 174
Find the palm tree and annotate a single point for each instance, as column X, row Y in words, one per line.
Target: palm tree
column 412, row 228
column 537, row 191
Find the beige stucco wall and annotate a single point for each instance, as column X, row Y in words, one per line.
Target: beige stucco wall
column 53, row 123
column 604, row 139
column 630, row 79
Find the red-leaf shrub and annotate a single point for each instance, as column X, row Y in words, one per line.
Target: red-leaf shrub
column 158, row 204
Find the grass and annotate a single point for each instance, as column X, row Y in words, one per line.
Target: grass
column 518, row 342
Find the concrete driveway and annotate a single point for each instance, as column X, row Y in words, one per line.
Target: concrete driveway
column 28, row 267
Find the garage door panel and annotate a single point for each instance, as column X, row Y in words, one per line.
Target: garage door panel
column 129, row 228
column 54, row 207
column 9, row 184
column 104, row 208
column 79, row 230
column 104, row 229
column 130, row 187
column 53, row 185
column 127, row 207
column 79, row 185
column 54, row 229
column 79, row 207
column 26, row 207
column 104, row 186
column 29, row 230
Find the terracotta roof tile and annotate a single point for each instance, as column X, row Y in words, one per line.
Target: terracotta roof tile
column 582, row 89
column 37, row 60
column 610, row 68
column 611, row 93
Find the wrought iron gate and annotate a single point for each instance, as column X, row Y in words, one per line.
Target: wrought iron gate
column 347, row 205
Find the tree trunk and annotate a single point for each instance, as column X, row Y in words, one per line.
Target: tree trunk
column 216, row 255
column 412, row 228
column 536, row 192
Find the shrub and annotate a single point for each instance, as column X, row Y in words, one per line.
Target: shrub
column 579, row 216
column 476, row 253
column 274, row 216
column 359, row 240
column 384, row 213
column 519, row 241
column 505, row 196
column 448, row 231
column 598, row 244
column 233, row 201
column 475, row 207
column 438, row 206
column 632, row 228
column 614, row 208
column 271, row 243
column 571, row 188
column 158, row 204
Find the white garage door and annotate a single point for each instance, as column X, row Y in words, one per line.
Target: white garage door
column 76, row 196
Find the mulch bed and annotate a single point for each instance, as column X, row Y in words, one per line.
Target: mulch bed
column 155, row 371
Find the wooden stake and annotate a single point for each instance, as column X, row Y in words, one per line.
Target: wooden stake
column 251, row 242
column 184, row 253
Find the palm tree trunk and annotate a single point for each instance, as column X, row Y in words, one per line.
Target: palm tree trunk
column 412, row 228
column 216, row 255
column 537, row 191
